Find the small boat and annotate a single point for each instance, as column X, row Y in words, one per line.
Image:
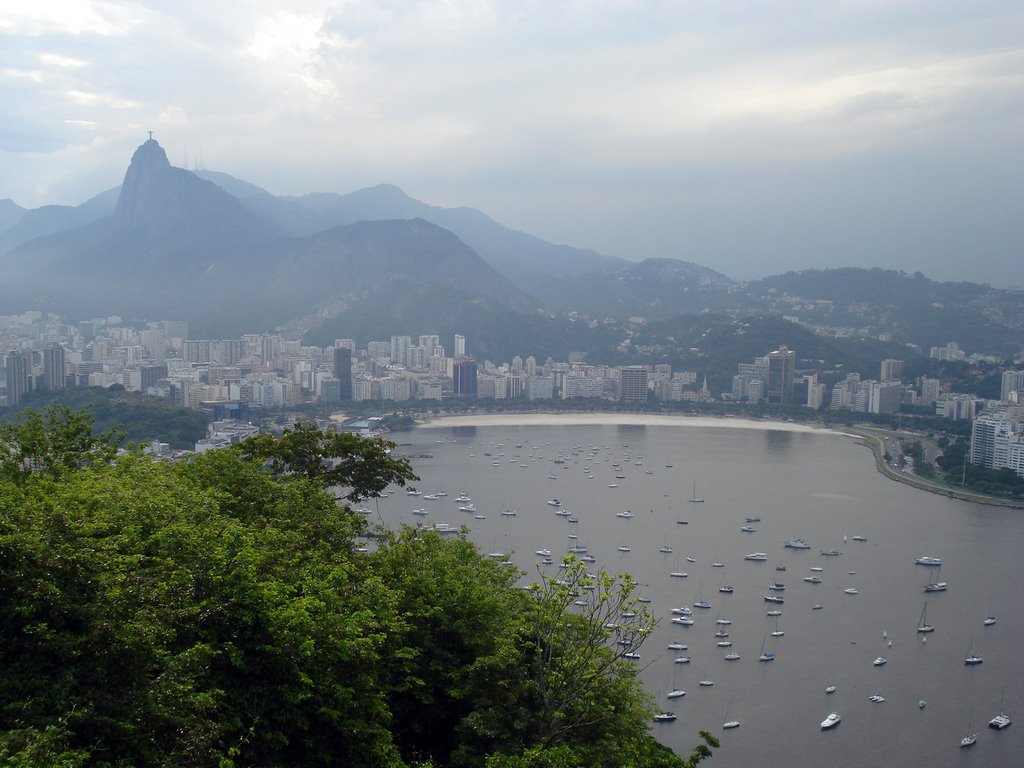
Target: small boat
column 757, row 557
column 675, row 693
column 851, row 591
column 817, row 569
column 922, row 623
column 467, row 508
column 748, row 529
column 989, row 621
column 702, row 604
column 780, row 568
column 732, row 656
column 796, row 543
column 812, row 579
column 880, row 661
column 859, row 538
column 665, row 550
column 544, row 552
column 718, row 564
column 830, row 552
column 679, row 574
column 706, row 683
column 777, row 586
column 695, row 499
column 631, row 656
column 830, row 686
column 777, row 632
column 831, row 721
column 724, row 643
column 765, row 655
column 665, row 717
column 774, row 599
column 682, row 660
column 613, row 485
column 721, row 633
column 937, row 586
column 421, row 511
column 479, row 517
column 686, row 621
column 690, row 559
column 462, row 498
column 929, row 561
column 676, row 647
column 875, row 698
column 508, row 512
column 972, row 658
column 817, row 607
column 730, row 722
column 723, row 622
column 921, row 704
column 624, row 548
column 969, row 740
column 625, row 514
column 774, row 612
column 726, row 589
column 753, row 519
column 1000, row 721
column 554, row 503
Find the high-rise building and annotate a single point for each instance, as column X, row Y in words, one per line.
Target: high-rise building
column 464, row 377
column 18, row 376
column 1013, row 381
column 781, row 367
column 460, row 346
column 54, row 373
column 891, row 370
column 343, row 372
column 988, row 440
column 633, row 384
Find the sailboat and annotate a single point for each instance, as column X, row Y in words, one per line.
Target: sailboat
column 1002, row 720
column 971, row 738
column 695, row 499
column 676, row 691
column 972, row 659
column 830, row 687
column 765, row 655
column 922, row 623
column 729, row 723
column 778, row 632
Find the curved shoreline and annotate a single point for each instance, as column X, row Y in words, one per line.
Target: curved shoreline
column 866, row 438
column 616, row 419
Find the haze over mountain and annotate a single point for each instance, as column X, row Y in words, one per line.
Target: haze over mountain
column 230, row 257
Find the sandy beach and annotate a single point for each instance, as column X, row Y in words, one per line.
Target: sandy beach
column 614, row 419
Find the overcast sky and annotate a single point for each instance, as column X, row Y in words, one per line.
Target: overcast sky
column 753, row 137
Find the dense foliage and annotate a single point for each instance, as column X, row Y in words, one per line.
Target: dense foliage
column 142, row 418
column 222, row 612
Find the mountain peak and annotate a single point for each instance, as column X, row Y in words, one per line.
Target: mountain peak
column 145, row 183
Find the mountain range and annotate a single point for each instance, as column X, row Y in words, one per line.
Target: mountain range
column 230, row 257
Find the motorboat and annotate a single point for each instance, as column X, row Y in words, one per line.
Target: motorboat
column 757, row 557
column 467, row 508
column 625, row 514
column 880, row 661
column 859, row 538
column 774, row 612
column 665, row 717
column 675, row 693
column 774, row 599
column 796, row 543
column 732, row 656
column 684, row 611
column 632, row 656
column 421, row 512
column 554, row 503
column 1000, row 721
column 624, row 548
column 930, row 561
column 876, row 699
column 989, row 621
column 726, row 589
column 724, row 643
column 938, row 586
column 748, row 529
column 686, row 621
column 754, row 519
column 969, row 740
column 812, row 579
column 676, row 647
column 706, row 683
column 721, row 633
column 831, row 721
column 777, row 586
column 544, row 552
column 851, row 591
column 723, row 622
column 830, row 552
column 682, row 660
column 702, row 604
column 718, row 564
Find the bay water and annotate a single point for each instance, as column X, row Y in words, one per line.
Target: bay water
column 819, row 486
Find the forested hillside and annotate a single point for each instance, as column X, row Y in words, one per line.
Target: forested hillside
column 224, row 612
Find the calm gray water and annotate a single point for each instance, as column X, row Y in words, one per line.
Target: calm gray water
column 821, row 488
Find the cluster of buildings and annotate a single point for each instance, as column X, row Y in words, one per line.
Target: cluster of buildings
column 235, row 378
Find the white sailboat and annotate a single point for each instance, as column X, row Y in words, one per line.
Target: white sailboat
column 695, row 499
column 765, row 655
column 830, row 687
column 730, row 722
column 922, row 623
column 972, row 658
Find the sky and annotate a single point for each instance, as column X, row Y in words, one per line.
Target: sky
column 750, row 136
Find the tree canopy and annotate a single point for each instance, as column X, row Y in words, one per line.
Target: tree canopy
column 223, row 612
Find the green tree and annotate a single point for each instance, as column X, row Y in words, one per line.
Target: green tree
column 53, row 442
column 362, row 465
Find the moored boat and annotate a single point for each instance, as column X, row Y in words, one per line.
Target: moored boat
column 831, row 721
